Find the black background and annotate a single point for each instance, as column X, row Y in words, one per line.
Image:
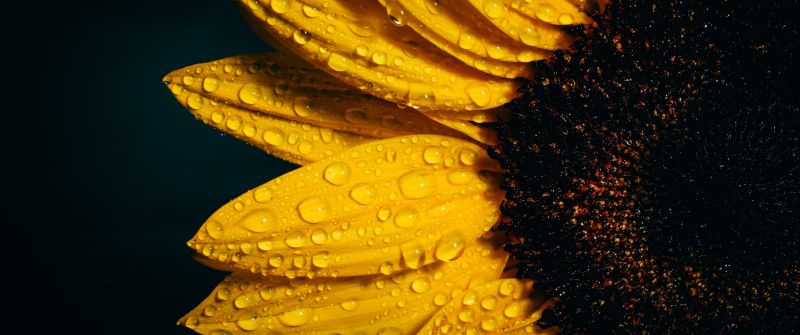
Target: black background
column 106, row 175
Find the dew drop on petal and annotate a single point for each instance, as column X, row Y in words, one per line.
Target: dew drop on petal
column 363, row 193
column 249, row 322
column 313, row 209
column 337, row 173
column 406, row 218
column 450, row 246
column 417, row 185
column 296, row 317
column 250, row 93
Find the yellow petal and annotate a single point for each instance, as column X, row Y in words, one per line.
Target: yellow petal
column 356, row 42
column 466, row 34
column 499, row 306
column 296, row 142
column 559, row 12
column 270, row 84
column 521, row 28
column 377, row 208
column 397, row 304
column 479, row 133
column 451, row 29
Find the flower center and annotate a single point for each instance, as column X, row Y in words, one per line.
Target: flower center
column 654, row 171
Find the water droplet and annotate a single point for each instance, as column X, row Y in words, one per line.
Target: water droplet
column 359, row 28
column 326, row 135
column 246, row 248
column 258, row 221
column 488, row 324
column 234, row 123
column 264, row 245
column 406, row 218
column 433, row 155
column 450, row 246
column 267, row 293
column 296, row 318
column 249, row 322
column 433, row 6
column 319, row 236
column 310, row 11
column 321, row 259
column 356, row 115
column 305, row 147
column 245, row 300
column 301, row 36
column 262, row 194
column 397, row 61
column 215, row 230
column 313, row 209
column 480, row 95
column 417, row 185
column 546, row 13
column 363, row 193
column 379, row 57
column 468, row 157
column 566, row 19
column 299, row 261
column 194, row 101
column 210, row 83
column 496, row 50
column 489, row 302
column 349, row 305
column 460, row 177
column 337, row 173
column 466, row 315
column 223, row 294
column 421, row 285
column 507, row 287
column 384, row 213
column 386, row 268
column 466, row 40
column 470, row 298
column 275, row 261
column 295, row 239
column 250, row 93
column 362, row 50
column 338, row 62
column 274, row 136
column 530, row 36
column 413, row 253
column 210, row 310
column 281, row 6
column 330, row 29
column 513, row 310
column 440, row 299
column 303, row 107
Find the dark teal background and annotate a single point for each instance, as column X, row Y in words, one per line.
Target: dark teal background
column 106, row 173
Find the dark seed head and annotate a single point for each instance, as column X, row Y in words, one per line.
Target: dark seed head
column 653, row 172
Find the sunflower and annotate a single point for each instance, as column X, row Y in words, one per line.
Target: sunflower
column 387, row 225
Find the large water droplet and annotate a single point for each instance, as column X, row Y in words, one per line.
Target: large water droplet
column 413, row 253
column 194, row 101
column 245, row 300
column 417, row 185
column 250, row 93
column 262, row 194
column 460, row 177
column 215, row 230
column 546, row 13
column 301, row 36
column 338, row 62
column 406, row 218
column 513, row 310
column 349, row 305
column 313, row 209
column 420, row 94
column 362, row 29
column 433, row 155
column 337, row 173
column 258, row 221
column 274, row 136
column 321, row 259
column 319, row 236
column 356, row 115
column 507, row 287
column 467, row 315
column 296, row 317
column 493, row 8
column 379, row 57
column 466, row 40
column 281, row 6
column 489, row 302
column 303, row 107
column 249, row 322
column 210, row 83
column 363, row 193
column 295, row 239
column 421, row 285
column 488, row 324
column 468, row 157
column 450, row 246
